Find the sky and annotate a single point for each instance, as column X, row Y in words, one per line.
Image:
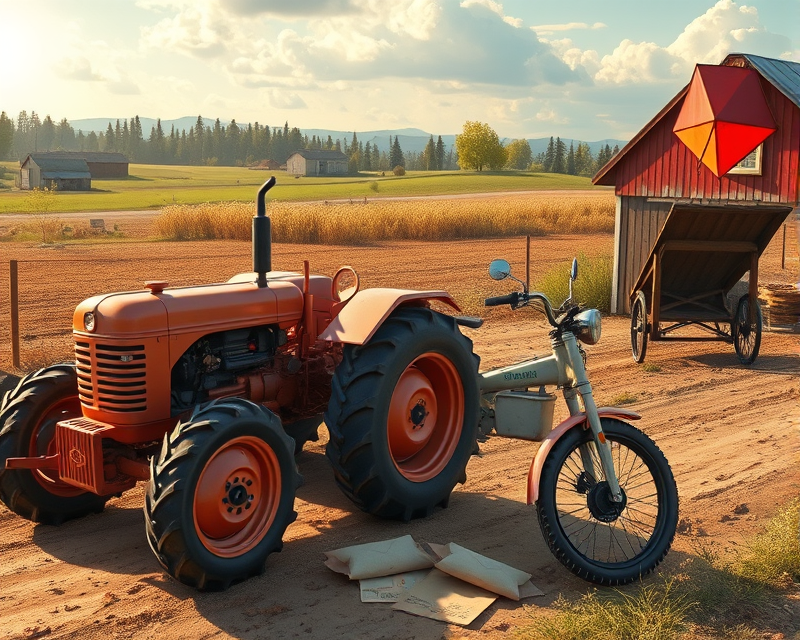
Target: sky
column 579, row 69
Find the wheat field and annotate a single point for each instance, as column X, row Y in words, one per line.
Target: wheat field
column 362, row 222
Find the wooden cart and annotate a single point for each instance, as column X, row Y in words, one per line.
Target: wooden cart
column 701, row 252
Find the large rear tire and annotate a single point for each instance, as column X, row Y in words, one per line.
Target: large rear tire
column 598, row 540
column 403, row 415
column 28, row 417
column 221, row 494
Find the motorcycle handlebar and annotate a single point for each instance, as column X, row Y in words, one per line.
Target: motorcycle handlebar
column 515, row 298
column 511, row 298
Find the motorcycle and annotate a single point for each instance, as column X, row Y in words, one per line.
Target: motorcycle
column 605, row 495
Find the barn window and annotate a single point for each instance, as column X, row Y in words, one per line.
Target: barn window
column 750, row 164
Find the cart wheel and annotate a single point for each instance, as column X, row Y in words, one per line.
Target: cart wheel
column 746, row 335
column 639, row 327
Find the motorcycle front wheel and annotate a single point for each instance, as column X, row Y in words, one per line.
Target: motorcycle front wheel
column 607, row 542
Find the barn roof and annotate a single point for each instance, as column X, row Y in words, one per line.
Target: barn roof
column 783, row 74
column 88, row 156
column 321, row 154
column 54, row 167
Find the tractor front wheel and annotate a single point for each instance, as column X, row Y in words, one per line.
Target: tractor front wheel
column 403, row 415
column 221, row 494
column 28, row 417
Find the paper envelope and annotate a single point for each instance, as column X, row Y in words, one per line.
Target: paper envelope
column 484, row 572
column 376, row 559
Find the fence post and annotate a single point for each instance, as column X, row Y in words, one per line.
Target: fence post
column 528, row 264
column 12, row 264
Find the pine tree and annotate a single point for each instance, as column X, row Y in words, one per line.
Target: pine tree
column 439, row 154
column 111, row 139
column 47, row 135
column 550, row 156
column 396, row 157
column 429, row 156
column 560, row 161
column 571, row 159
column 6, row 136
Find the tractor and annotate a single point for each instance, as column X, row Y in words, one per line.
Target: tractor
column 207, row 393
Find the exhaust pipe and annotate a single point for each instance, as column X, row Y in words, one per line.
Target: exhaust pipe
column 262, row 235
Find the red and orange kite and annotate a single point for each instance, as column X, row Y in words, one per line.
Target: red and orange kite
column 724, row 116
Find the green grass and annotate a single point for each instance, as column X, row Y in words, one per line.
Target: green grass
column 649, row 367
column 592, row 288
column 154, row 186
column 731, row 598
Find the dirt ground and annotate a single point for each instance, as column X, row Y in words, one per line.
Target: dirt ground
column 730, row 433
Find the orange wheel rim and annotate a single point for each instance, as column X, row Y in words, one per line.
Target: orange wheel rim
column 237, row 497
column 43, row 443
column 426, row 417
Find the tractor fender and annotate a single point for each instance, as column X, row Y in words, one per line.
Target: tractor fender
column 365, row 312
column 573, row 421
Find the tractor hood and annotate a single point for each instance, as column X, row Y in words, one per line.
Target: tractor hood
column 202, row 309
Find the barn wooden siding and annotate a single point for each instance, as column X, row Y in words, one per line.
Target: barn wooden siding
column 639, row 222
column 661, row 166
column 659, row 170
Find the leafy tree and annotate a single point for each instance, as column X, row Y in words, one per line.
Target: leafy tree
column 584, row 161
column 478, row 146
column 519, row 154
column 6, row 135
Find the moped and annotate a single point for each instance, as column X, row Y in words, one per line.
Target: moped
column 605, row 495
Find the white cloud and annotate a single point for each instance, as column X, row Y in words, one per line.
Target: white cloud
column 79, row 68
column 197, row 31
column 548, row 29
column 724, row 28
column 284, row 100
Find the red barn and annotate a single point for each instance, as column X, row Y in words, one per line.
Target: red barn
column 656, row 172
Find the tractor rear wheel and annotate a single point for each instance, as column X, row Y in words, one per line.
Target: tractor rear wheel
column 28, row 417
column 221, row 494
column 403, row 415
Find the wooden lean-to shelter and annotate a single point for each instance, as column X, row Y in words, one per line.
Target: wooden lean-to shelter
column 728, row 140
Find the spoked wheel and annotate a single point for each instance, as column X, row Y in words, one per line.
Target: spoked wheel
column 28, row 418
column 221, row 494
column 639, row 327
column 599, row 540
column 403, row 415
column 746, row 334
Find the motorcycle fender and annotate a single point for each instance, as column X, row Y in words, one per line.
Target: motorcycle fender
column 578, row 420
column 366, row 311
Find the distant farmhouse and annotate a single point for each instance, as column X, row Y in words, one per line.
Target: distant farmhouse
column 316, row 162
column 70, row 170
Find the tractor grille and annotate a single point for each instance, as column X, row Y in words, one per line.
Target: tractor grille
column 111, row 377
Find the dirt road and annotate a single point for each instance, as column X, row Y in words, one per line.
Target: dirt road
column 730, row 433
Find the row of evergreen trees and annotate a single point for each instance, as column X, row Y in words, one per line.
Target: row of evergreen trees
column 575, row 162
column 234, row 145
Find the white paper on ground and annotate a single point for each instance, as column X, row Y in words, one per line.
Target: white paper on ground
column 376, row 559
column 484, row 572
column 443, row 597
column 389, row 588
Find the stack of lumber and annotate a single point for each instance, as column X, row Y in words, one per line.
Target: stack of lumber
column 783, row 301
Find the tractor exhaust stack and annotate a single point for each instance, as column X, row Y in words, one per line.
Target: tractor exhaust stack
column 262, row 235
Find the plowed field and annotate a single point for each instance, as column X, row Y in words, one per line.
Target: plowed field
column 730, row 433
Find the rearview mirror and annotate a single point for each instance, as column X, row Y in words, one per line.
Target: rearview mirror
column 499, row 269
column 573, row 274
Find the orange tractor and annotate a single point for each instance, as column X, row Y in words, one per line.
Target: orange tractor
column 206, row 393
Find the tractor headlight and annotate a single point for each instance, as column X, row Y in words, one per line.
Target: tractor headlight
column 589, row 326
column 88, row 321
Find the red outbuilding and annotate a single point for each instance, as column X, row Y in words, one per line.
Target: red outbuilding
column 730, row 137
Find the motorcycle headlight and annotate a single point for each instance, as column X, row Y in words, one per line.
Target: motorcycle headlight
column 589, row 326
column 88, row 321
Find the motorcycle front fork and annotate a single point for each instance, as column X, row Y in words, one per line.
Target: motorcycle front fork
column 584, row 390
